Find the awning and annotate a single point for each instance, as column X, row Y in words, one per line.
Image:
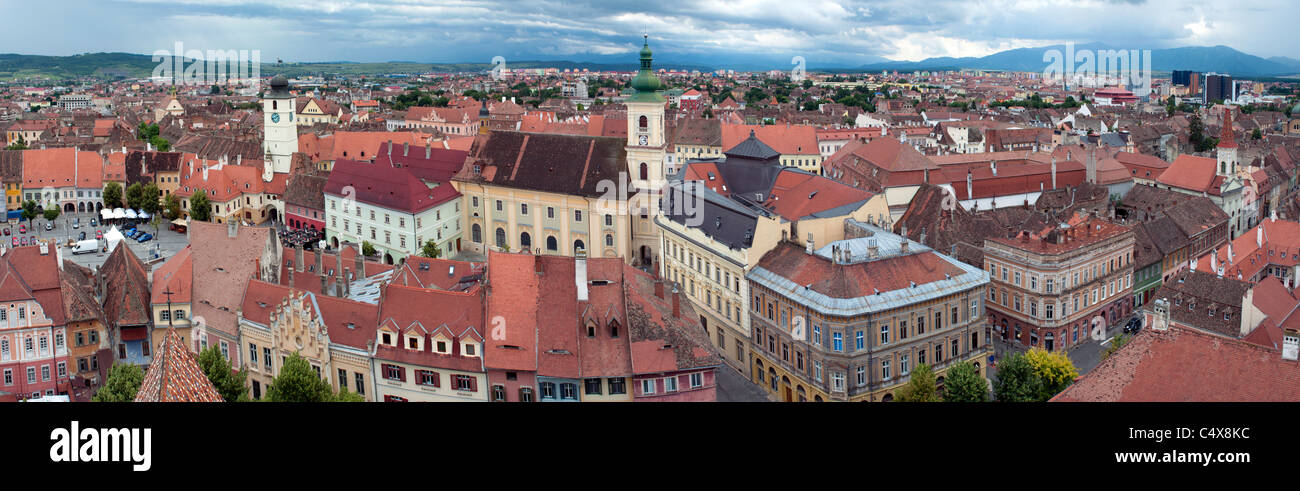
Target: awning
column 180, row 222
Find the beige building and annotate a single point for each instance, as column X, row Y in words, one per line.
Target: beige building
column 710, row 243
column 334, row 334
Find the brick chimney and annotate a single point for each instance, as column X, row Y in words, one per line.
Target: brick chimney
column 359, row 265
column 677, row 307
column 659, row 288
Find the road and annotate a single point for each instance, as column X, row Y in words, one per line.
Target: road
column 734, row 387
column 1085, row 355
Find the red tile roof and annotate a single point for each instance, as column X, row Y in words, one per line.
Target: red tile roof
column 1192, row 173
column 175, row 376
column 1183, row 365
column 798, row 195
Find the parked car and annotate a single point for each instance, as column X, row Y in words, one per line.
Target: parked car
column 144, row 238
column 49, row 226
column 82, row 235
column 94, row 223
column 22, row 240
column 1133, row 326
column 7, row 231
column 22, row 229
column 99, row 234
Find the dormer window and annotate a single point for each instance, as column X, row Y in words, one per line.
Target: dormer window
column 613, row 329
column 442, row 346
column 387, row 338
column 471, row 349
column 413, row 342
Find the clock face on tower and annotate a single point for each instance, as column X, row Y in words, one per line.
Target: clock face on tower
column 644, row 139
column 275, row 117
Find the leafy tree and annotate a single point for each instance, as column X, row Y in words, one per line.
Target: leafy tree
column 1055, row 370
column 18, row 145
column 123, row 382
column 346, row 396
column 200, row 208
column 151, row 203
column 113, row 195
column 811, row 105
column 1115, row 345
column 51, row 213
column 1255, row 135
column 1017, row 381
column 367, row 249
column 298, row 382
column 161, row 144
column 134, row 196
column 228, row 383
column 172, row 205
column 921, row 387
column 431, row 249
column 29, row 211
column 964, row 384
column 807, row 84
column 216, row 89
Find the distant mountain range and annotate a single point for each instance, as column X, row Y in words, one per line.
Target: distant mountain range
column 1220, row 59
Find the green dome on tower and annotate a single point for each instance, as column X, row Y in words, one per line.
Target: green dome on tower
column 646, row 83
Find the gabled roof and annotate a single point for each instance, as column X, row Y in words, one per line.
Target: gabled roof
column 753, row 149
column 126, row 289
column 175, row 376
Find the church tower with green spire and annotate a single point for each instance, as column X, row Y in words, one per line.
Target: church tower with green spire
column 646, row 153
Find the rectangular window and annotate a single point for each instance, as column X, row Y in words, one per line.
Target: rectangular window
column 860, row 341
column 343, row 378
column 670, row 384
column 697, row 380
column 361, row 384
column 648, row 386
column 466, row 383
column 429, row 378
column 838, row 341
column 617, row 386
column 266, row 357
column 591, row 386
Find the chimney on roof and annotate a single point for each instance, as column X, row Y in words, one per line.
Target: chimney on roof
column 1290, row 344
column 359, row 263
column 390, row 148
column 677, row 307
column 298, row 259
column 232, row 228
column 347, row 281
column 659, row 288
column 428, row 150
column 809, row 246
column 406, row 149
column 1259, row 236
column 324, row 284
column 903, row 247
column 580, row 277
column 993, row 166
column 1053, row 172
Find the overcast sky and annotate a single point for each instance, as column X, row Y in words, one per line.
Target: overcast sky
column 704, row 31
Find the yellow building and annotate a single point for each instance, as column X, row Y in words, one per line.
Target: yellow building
column 312, row 111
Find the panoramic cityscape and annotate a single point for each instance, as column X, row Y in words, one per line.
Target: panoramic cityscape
column 854, row 203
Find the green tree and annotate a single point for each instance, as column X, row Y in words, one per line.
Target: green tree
column 431, row 249
column 29, row 211
column 123, row 382
column 18, row 145
column 200, row 208
column 134, row 196
column 113, row 195
column 1017, row 381
column 1055, row 370
column 51, row 213
column 172, row 207
column 367, row 249
column 229, row 384
column 151, row 203
column 299, row 382
column 1115, row 345
column 963, row 383
column 921, row 387
column 1255, row 135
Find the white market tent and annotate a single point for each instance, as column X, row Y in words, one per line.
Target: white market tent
column 131, row 213
column 143, row 215
column 105, row 214
column 118, row 213
column 112, row 236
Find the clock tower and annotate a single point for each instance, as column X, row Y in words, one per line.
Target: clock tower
column 646, row 149
column 280, row 132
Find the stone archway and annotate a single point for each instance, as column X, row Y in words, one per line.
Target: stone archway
column 69, row 208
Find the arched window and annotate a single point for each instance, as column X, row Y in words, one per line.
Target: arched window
column 273, row 105
column 551, row 244
column 609, row 240
column 579, row 246
column 613, row 329
column 501, row 237
column 525, row 241
column 476, row 233
column 645, row 122
column 645, row 171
